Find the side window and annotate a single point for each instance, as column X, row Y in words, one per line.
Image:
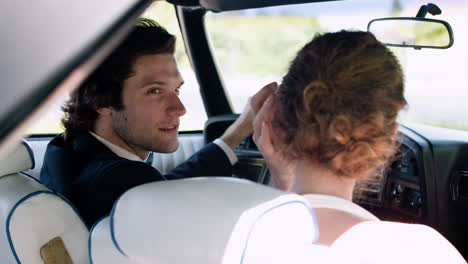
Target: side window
column 50, row 122
column 164, row 13
column 194, row 119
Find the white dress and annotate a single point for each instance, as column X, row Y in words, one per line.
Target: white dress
column 387, row 242
column 333, row 202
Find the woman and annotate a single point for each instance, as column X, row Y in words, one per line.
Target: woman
column 331, row 123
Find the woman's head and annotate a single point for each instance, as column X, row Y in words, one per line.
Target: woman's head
column 339, row 102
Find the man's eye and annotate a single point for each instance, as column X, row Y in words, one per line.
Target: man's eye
column 154, row 91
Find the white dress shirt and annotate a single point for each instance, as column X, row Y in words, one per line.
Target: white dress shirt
column 130, row 156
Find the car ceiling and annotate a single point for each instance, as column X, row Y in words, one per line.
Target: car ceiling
column 229, row 5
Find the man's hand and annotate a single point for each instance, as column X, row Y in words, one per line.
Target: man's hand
column 282, row 168
column 242, row 127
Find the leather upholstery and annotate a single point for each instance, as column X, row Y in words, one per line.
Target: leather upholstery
column 31, row 216
column 101, row 247
column 19, row 159
column 207, row 220
column 188, row 145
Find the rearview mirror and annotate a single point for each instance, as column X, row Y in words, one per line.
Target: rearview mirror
column 412, row 32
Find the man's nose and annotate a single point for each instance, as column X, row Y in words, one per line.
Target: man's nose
column 176, row 106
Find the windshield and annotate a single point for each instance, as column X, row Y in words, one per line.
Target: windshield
column 259, row 44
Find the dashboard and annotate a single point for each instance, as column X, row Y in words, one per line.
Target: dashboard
column 426, row 183
column 394, row 192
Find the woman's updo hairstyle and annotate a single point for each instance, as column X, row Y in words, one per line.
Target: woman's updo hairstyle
column 339, row 102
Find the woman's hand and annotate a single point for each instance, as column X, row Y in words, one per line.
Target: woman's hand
column 242, row 127
column 282, row 168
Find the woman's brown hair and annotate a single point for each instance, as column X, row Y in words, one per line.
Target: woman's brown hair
column 339, row 102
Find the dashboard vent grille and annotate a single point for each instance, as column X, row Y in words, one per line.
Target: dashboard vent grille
column 370, row 190
column 459, row 185
column 248, row 145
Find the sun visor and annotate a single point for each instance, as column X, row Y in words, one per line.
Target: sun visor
column 229, row 5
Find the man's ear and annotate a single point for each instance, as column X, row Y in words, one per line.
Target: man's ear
column 395, row 131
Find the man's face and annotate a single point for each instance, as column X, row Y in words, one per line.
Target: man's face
column 149, row 120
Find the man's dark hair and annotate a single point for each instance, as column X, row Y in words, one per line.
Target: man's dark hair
column 103, row 88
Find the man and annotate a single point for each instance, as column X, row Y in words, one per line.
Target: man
column 126, row 109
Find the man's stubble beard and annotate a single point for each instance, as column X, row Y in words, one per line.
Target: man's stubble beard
column 127, row 134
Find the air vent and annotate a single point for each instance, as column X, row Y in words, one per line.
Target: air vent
column 459, row 185
column 370, row 190
column 248, row 145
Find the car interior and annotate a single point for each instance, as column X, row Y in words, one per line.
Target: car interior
column 49, row 53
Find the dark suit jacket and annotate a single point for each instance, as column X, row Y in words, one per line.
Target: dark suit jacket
column 92, row 177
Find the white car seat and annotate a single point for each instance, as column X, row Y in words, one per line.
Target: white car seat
column 38, row 226
column 202, row 220
column 101, row 246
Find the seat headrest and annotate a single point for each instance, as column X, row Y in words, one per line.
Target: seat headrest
column 19, row 159
column 44, row 228
column 208, row 220
column 101, row 248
